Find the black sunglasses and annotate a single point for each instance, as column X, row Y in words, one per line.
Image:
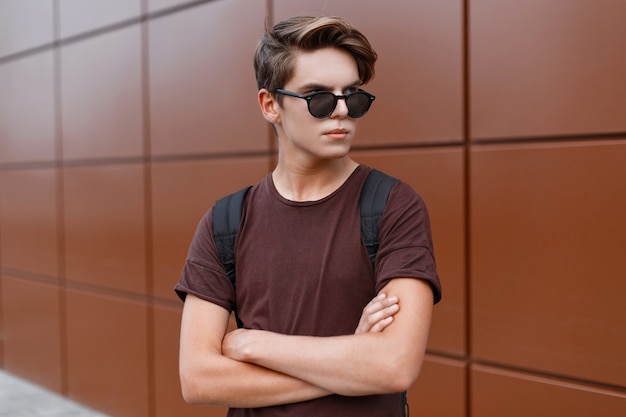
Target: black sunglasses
column 322, row 103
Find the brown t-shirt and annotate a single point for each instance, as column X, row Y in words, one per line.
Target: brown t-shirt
column 303, row 269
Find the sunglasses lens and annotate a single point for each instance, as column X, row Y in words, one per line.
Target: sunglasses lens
column 358, row 104
column 322, row 104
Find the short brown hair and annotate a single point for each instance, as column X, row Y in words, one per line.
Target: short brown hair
column 277, row 49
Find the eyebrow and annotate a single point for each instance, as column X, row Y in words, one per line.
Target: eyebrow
column 314, row 86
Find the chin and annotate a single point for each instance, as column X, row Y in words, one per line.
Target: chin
column 336, row 154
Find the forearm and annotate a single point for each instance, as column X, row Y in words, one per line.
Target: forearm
column 210, row 378
column 360, row 364
column 347, row 365
column 224, row 382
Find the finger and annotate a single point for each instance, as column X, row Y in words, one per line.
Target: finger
column 381, row 324
column 379, row 308
column 375, row 302
column 382, row 315
column 378, row 303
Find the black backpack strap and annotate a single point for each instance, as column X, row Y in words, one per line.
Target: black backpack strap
column 226, row 219
column 372, row 204
column 374, row 196
column 406, row 412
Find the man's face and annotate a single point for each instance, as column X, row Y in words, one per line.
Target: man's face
column 301, row 134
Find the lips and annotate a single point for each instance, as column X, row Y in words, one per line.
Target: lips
column 337, row 135
column 337, row 132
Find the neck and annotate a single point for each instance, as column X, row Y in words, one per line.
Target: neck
column 314, row 182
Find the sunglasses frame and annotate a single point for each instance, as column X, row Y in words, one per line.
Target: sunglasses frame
column 309, row 97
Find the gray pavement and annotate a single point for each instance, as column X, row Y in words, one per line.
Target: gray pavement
column 21, row 398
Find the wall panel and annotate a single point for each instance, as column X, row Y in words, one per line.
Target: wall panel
column 27, row 127
column 28, row 221
column 419, row 72
column 25, row 24
column 548, row 238
column 441, row 390
column 202, row 87
column 541, row 68
column 108, row 353
column 105, row 226
column 101, row 96
column 79, row 16
column 31, row 318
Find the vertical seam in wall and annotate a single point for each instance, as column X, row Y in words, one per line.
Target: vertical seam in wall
column 467, row 198
column 60, row 197
column 147, row 170
column 269, row 16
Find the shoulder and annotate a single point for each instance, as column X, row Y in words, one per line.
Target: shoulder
column 406, row 210
column 401, row 197
column 402, row 194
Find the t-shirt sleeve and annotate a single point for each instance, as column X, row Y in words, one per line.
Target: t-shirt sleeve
column 203, row 274
column 405, row 241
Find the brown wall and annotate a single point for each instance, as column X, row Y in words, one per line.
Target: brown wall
column 122, row 121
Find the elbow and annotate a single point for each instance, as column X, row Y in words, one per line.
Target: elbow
column 203, row 383
column 403, row 374
column 403, row 381
column 189, row 389
column 193, row 392
column 189, row 397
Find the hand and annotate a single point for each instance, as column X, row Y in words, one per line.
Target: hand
column 378, row 314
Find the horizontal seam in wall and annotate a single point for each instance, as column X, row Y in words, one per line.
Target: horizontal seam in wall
column 100, row 31
column 66, row 284
column 131, row 160
column 550, row 139
column 469, row 361
column 549, row 375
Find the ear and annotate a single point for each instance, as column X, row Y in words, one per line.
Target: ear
column 269, row 106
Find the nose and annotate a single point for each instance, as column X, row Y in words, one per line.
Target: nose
column 341, row 109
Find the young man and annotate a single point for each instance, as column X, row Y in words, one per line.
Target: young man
column 324, row 332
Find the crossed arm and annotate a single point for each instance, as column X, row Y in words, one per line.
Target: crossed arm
column 254, row 368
